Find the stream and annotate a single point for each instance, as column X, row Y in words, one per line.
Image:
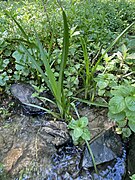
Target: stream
column 39, row 147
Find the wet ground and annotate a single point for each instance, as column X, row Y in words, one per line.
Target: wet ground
column 30, row 151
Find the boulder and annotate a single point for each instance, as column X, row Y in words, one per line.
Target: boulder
column 23, row 93
column 105, row 148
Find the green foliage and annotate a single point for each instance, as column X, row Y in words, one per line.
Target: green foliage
column 3, row 175
column 89, row 20
column 122, row 108
column 81, row 133
column 132, row 177
column 117, row 68
column 55, row 86
column 94, row 65
column 79, row 130
column 105, row 82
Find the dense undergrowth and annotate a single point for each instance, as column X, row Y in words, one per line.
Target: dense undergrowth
column 93, row 26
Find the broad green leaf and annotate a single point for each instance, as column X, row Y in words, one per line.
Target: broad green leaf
column 101, row 92
column 86, row 134
column 75, row 140
column 102, row 84
column 117, row 117
column 116, row 104
column 122, row 123
column 130, row 115
column 83, row 122
column 72, row 124
column 132, row 177
column 78, row 132
column 123, row 90
column 19, row 67
column 17, row 55
column 131, row 56
column 126, row 132
column 130, row 103
column 131, row 124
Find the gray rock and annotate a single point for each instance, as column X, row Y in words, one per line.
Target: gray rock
column 105, row 148
column 54, row 132
column 23, row 93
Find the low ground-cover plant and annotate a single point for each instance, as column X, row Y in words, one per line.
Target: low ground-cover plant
column 116, row 69
column 122, row 108
column 85, row 22
column 80, row 133
column 132, row 177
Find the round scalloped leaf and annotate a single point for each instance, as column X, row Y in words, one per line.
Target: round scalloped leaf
column 77, row 132
column 72, row 124
column 130, row 115
column 86, row 134
column 131, row 124
column 126, row 132
column 123, row 91
column 102, row 84
column 122, row 123
column 116, row 104
column 117, row 117
column 130, row 102
column 82, row 122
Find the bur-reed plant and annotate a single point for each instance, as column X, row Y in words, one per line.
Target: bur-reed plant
column 91, row 68
column 54, row 85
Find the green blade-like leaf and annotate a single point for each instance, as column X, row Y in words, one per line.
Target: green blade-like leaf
column 44, row 109
column 91, row 103
column 17, row 23
column 49, row 72
column 110, row 46
column 37, row 65
column 64, row 52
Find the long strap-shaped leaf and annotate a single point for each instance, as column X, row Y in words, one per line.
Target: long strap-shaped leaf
column 110, row 46
column 20, row 27
column 48, row 69
column 64, row 52
column 37, row 66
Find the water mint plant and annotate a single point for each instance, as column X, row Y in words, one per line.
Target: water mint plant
column 122, row 108
column 80, row 132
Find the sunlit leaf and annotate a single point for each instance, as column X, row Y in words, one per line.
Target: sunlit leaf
column 130, row 103
column 117, row 104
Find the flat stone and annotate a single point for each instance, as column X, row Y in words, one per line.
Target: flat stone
column 12, row 156
column 105, row 148
column 23, row 93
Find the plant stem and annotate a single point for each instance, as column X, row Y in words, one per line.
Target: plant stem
column 92, row 156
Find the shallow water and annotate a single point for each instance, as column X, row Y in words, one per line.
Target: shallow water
column 66, row 165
